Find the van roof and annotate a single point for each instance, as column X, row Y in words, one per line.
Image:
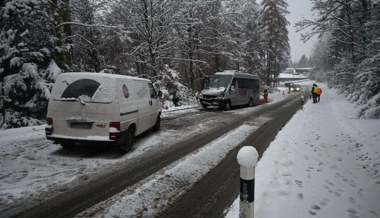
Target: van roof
column 104, row 75
column 238, row 74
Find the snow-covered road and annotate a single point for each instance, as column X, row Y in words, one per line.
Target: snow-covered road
column 324, row 163
column 33, row 169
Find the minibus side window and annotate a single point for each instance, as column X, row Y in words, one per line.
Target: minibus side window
column 234, row 84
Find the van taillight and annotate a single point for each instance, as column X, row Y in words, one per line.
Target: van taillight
column 49, row 121
column 49, row 127
column 115, row 130
column 115, row 125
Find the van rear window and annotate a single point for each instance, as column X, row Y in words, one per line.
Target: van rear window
column 94, row 89
column 80, row 87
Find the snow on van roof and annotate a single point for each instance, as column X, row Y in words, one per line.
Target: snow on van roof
column 235, row 73
column 107, row 75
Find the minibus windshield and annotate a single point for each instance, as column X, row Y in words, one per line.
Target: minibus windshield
column 83, row 89
column 218, row 82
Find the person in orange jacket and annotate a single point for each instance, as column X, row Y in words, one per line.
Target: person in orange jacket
column 318, row 92
column 314, row 92
column 265, row 95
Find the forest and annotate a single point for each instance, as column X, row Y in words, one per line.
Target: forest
column 175, row 43
column 348, row 52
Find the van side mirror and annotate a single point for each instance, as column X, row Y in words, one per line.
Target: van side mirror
column 160, row 94
column 205, row 83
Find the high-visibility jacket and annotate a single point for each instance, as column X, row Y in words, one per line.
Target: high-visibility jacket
column 318, row 90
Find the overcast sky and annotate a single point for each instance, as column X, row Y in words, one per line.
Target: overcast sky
column 299, row 9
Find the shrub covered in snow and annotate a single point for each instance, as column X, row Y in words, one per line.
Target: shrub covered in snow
column 15, row 119
column 367, row 88
column 361, row 84
column 174, row 92
column 28, row 45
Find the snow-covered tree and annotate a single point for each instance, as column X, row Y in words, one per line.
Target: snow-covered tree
column 28, row 46
column 303, row 61
column 275, row 35
column 352, row 29
column 241, row 34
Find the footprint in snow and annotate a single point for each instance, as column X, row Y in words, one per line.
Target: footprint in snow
column 352, row 200
column 352, row 213
column 300, row 196
column 314, row 209
column 286, row 174
column 287, row 163
column 324, row 202
column 299, row 183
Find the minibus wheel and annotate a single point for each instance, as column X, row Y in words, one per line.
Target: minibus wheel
column 227, row 106
column 251, row 103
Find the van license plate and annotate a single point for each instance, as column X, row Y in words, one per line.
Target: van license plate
column 81, row 125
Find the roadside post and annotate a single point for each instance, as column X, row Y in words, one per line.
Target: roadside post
column 247, row 158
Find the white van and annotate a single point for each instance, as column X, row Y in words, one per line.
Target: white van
column 102, row 108
column 230, row 88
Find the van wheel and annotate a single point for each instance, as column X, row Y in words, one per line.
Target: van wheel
column 251, row 103
column 157, row 125
column 128, row 140
column 227, row 106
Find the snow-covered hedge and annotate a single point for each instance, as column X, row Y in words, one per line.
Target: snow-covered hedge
column 174, row 92
column 360, row 84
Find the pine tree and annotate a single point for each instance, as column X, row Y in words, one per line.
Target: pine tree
column 352, row 27
column 27, row 67
column 275, row 35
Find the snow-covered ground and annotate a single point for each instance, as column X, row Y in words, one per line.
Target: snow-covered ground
column 291, row 76
column 159, row 190
column 324, row 163
column 180, row 110
column 31, row 165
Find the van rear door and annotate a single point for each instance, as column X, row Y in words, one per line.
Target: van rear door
column 82, row 106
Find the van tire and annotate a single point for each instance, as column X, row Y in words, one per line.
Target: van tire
column 227, row 106
column 157, row 125
column 67, row 146
column 128, row 139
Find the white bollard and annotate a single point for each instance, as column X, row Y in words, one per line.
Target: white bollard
column 247, row 158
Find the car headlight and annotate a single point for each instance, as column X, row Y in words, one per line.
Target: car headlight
column 298, row 89
column 291, row 89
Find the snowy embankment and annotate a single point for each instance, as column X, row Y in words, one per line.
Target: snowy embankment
column 324, row 163
column 180, row 110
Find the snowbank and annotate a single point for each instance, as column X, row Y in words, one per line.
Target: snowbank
column 324, row 163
